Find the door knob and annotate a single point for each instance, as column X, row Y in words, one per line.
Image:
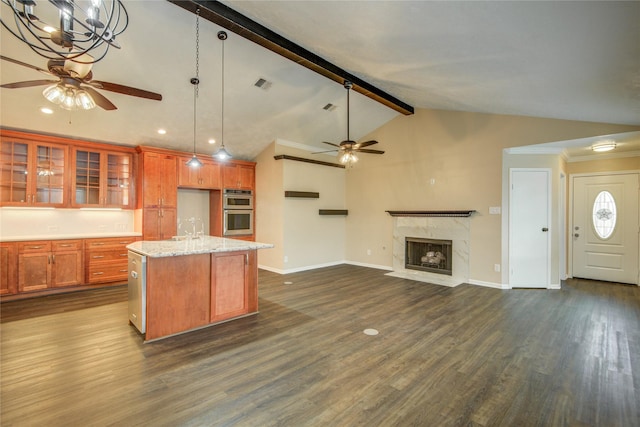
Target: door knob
column 545, row 229
column 576, row 235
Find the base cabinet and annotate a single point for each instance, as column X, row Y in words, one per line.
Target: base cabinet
column 106, row 259
column 49, row 264
column 8, row 269
column 229, row 285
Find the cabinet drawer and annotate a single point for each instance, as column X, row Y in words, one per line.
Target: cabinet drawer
column 34, row 246
column 95, row 256
column 108, row 273
column 66, row 245
column 118, row 242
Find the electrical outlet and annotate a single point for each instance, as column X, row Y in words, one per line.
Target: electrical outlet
column 494, row 210
column 286, row 259
column 496, row 268
column 368, row 251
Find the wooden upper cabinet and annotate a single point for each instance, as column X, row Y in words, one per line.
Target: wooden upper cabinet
column 102, row 179
column 33, row 173
column 238, row 176
column 207, row 176
column 159, row 180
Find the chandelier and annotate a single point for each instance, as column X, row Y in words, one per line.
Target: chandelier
column 67, row 29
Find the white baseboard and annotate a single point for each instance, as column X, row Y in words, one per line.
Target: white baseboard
column 364, row 264
column 298, row 269
column 488, row 284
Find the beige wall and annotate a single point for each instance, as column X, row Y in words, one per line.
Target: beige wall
column 462, row 153
column 614, row 164
column 303, row 238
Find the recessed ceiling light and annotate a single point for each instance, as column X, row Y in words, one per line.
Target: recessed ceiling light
column 46, row 110
column 603, row 146
column 212, row 141
column 162, row 131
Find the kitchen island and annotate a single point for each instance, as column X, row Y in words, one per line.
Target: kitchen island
column 186, row 284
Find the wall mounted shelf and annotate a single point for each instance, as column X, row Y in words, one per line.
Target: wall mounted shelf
column 333, row 212
column 466, row 213
column 302, row 194
column 302, row 159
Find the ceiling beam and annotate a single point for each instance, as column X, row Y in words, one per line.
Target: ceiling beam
column 224, row 16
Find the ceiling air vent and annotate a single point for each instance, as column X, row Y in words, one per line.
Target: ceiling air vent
column 330, row 107
column 263, row 84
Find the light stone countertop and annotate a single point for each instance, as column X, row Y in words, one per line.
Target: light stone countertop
column 70, row 236
column 200, row 245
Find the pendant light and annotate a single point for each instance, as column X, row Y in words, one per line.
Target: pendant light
column 194, row 162
column 222, row 154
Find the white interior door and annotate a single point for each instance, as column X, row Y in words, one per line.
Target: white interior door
column 605, row 227
column 529, row 219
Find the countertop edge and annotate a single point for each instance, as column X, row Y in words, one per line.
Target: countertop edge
column 169, row 248
column 5, row 239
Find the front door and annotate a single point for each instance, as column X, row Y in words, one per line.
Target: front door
column 529, row 218
column 605, row 227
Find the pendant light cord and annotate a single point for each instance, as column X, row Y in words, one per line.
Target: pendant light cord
column 196, row 80
column 222, row 92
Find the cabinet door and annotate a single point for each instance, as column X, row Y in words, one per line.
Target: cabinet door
column 228, row 285
column 13, row 182
column 210, row 176
column 66, row 268
column 230, row 176
column 168, row 223
column 118, row 185
column 49, row 175
column 151, row 224
column 8, row 277
column 34, row 271
column 246, row 176
column 160, row 185
column 87, row 186
column 188, row 176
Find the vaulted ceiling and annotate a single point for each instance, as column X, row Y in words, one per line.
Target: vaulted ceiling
column 565, row 60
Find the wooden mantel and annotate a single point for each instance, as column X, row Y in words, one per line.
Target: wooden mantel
column 463, row 213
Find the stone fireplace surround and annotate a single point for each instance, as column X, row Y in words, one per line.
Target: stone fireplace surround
column 446, row 225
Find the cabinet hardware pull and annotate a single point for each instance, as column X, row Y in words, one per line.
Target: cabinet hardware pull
column 64, row 246
column 123, row 254
column 246, row 259
column 123, row 271
column 98, row 256
column 98, row 273
column 99, row 243
column 53, row 258
column 49, row 259
column 34, row 247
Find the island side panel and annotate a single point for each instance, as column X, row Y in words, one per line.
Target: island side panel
column 178, row 294
column 228, row 285
column 252, row 282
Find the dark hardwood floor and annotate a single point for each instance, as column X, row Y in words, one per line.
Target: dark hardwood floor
column 444, row 357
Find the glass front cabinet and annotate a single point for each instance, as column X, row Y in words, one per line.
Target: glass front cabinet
column 33, row 173
column 102, row 179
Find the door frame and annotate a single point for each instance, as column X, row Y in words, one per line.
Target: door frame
column 570, row 218
column 549, row 173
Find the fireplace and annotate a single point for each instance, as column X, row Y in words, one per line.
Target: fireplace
column 432, row 255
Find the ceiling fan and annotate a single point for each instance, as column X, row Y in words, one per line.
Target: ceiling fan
column 348, row 147
column 75, row 79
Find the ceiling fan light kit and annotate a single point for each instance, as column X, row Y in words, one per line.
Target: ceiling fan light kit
column 82, row 27
column 604, row 146
column 347, row 149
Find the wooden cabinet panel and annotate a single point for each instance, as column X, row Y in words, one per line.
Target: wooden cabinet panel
column 47, row 264
column 34, row 271
column 106, row 259
column 238, row 176
column 102, row 179
column 8, row 269
column 159, row 180
column 67, row 268
column 205, row 177
column 228, row 285
column 159, row 223
column 33, row 173
column 170, row 308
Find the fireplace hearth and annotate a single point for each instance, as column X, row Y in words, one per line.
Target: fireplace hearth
column 432, row 255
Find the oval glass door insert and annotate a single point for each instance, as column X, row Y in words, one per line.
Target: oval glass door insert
column 604, row 214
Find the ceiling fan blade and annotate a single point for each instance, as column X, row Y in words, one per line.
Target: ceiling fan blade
column 126, row 90
column 331, row 143
column 322, row 152
column 365, row 144
column 100, row 99
column 30, row 83
column 24, row 64
column 365, row 150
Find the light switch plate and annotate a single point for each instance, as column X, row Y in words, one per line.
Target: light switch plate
column 494, row 210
